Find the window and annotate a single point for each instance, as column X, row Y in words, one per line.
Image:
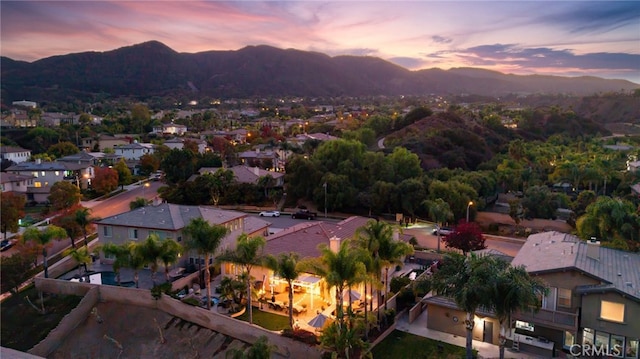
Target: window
column 37, row 184
column 549, row 301
column 57, row 173
column 569, row 340
column 35, row 174
column 524, row 326
column 602, row 339
column 588, row 336
column 133, row 233
column 617, row 345
column 632, row 348
column 106, row 231
column 564, row 298
column 612, row 311
column 42, row 173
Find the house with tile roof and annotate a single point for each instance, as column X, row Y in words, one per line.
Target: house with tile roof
column 244, row 174
column 16, row 183
column 268, row 159
column 134, row 151
column 168, row 220
column 594, row 296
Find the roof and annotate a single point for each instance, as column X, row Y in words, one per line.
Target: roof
column 254, row 225
column 554, row 251
column 6, row 177
column 447, row 302
column 12, row 149
column 171, row 217
column 244, row 174
column 38, row 166
column 80, row 156
column 304, row 238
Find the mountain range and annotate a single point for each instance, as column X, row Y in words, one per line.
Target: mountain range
column 153, row 69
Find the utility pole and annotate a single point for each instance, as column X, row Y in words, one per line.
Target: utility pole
column 325, row 199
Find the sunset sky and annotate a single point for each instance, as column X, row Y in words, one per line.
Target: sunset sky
column 567, row 38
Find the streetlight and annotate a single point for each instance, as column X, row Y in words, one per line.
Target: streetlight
column 469, row 205
column 146, row 184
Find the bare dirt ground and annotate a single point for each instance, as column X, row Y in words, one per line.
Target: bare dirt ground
column 123, row 331
column 508, row 226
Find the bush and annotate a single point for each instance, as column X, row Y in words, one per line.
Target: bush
column 191, row 301
column 406, row 298
column 397, row 283
column 301, row 335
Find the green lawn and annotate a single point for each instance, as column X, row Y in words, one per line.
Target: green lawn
column 23, row 326
column 405, row 345
column 267, row 320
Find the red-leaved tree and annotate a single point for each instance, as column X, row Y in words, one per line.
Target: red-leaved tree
column 105, row 180
column 466, row 237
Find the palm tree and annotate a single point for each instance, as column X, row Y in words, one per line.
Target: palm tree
column 136, row 260
column 43, row 238
column 246, row 255
column 84, row 219
column 121, row 255
column 391, row 252
column 169, row 253
column 80, row 255
column 205, row 240
column 286, row 267
column 515, row 290
column 439, row 211
column 151, row 251
column 367, row 239
column 469, row 281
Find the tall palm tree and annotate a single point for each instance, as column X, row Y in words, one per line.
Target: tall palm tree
column 136, row 260
column 391, row 252
column 83, row 219
column 286, row 267
column 439, row 211
column 247, row 255
column 514, row 290
column 169, row 253
column 44, row 238
column 80, row 256
column 367, row 239
column 121, row 255
column 205, row 240
column 151, row 251
column 469, row 281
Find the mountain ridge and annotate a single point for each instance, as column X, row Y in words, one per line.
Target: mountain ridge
column 154, row 69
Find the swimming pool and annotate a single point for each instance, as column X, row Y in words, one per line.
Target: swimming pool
column 105, row 277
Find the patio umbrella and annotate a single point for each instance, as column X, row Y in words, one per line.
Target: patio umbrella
column 351, row 294
column 319, row 321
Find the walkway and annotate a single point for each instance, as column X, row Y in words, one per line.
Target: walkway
column 485, row 350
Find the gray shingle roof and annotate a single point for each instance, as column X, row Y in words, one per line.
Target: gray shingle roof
column 554, row 251
column 171, row 217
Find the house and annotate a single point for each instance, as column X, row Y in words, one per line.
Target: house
column 25, row 103
column 104, row 142
column 14, row 154
column 45, row 174
column 16, row 183
column 134, row 151
column 260, row 158
column 178, row 143
column 168, row 220
column 55, row 119
column 170, row 129
column 244, row 174
column 594, row 296
column 20, row 118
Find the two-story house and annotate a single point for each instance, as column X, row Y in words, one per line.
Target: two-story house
column 244, row 174
column 268, row 159
column 14, row 154
column 168, row 220
column 11, row 182
column 104, row 142
column 170, row 129
column 134, row 150
column 594, row 296
column 46, row 174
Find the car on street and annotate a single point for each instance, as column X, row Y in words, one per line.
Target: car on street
column 270, row 214
column 444, row 231
column 6, row 244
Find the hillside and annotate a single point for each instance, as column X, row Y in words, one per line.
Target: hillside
column 153, row 69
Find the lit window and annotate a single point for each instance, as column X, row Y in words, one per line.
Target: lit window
column 564, row 298
column 57, row 173
column 569, row 339
column 35, row 174
column 524, row 326
column 612, row 311
column 37, row 184
column 42, row 173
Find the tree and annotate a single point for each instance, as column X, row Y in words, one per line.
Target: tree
column 610, row 218
column 539, row 202
column 205, row 240
column 169, row 254
column 15, row 270
column 139, row 202
column 121, row 255
column 247, row 255
column 44, row 238
column 149, row 163
column 62, row 149
column 83, row 218
column 468, row 281
column 64, row 195
column 105, row 180
column 286, row 267
column 151, row 251
column 124, row 173
column 392, row 252
column 12, row 209
column 80, row 256
column 440, row 212
column 515, row 210
column 136, row 260
column 466, row 237
column 514, row 290
column 261, row 349
column 67, row 221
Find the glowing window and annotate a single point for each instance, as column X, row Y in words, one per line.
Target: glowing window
column 612, row 311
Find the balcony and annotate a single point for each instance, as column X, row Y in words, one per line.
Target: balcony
column 552, row 318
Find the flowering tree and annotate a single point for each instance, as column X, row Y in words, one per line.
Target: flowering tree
column 467, row 237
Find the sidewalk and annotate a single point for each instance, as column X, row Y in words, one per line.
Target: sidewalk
column 485, row 350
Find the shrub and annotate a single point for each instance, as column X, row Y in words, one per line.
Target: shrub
column 398, row 283
column 406, row 298
column 191, row 301
column 301, row 335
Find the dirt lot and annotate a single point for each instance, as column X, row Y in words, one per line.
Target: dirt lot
column 507, row 226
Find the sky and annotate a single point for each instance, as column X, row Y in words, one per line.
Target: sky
column 564, row 38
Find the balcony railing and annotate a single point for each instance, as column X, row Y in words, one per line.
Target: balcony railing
column 558, row 319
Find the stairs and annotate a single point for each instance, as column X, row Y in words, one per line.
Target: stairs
column 516, row 343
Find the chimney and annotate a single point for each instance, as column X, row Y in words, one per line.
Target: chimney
column 593, row 251
column 334, row 244
column 38, row 161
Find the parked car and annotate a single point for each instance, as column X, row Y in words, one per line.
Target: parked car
column 6, row 244
column 269, row 214
column 304, row 214
column 444, row 231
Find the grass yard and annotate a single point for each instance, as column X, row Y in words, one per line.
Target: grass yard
column 23, row 327
column 267, row 320
column 405, row 345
